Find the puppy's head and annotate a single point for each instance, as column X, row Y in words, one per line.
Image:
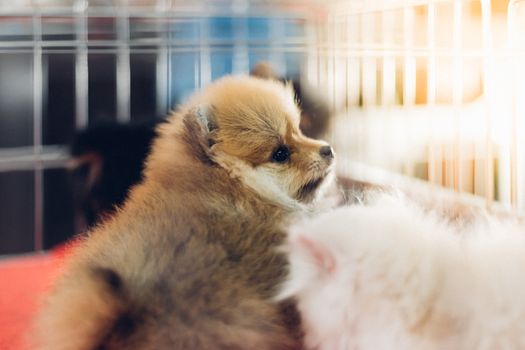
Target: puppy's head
column 250, row 127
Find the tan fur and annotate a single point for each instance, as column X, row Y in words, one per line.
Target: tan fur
column 189, row 261
column 264, row 70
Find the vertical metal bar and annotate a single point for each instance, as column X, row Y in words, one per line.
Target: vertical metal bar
column 38, row 239
column 277, row 30
column 515, row 148
column 312, row 57
column 434, row 163
column 240, row 46
column 204, row 53
column 409, row 76
column 323, row 57
column 320, row 41
column 457, row 94
column 196, row 71
column 388, row 89
column 369, row 72
column 346, row 99
column 161, row 81
column 354, row 80
column 361, row 100
column 123, row 65
column 516, row 33
column 488, row 62
column 431, row 39
column 334, row 74
column 197, row 61
column 161, row 67
column 169, row 54
column 81, row 65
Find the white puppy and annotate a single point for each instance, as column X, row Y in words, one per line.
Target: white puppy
column 390, row 276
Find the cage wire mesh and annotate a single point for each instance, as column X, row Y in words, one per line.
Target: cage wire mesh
column 432, row 90
column 429, row 89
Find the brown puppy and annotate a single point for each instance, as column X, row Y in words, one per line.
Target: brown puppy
column 189, row 261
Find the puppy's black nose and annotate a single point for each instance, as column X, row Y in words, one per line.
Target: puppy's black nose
column 326, row 152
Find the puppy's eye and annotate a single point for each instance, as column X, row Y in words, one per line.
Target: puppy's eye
column 281, row 154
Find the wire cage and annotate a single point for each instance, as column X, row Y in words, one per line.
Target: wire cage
column 426, row 89
column 431, row 90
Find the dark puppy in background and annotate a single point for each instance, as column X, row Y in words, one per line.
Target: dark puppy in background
column 190, row 261
column 316, row 113
column 107, row 160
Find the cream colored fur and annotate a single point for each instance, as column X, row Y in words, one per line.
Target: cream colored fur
column 388, row 275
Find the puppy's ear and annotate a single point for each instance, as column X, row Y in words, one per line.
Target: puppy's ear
column 319, row 255
column 204, row 116
column 200, row 131
column 264, row 70
column 310, row 260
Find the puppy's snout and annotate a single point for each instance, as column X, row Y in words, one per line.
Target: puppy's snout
column 326, row 152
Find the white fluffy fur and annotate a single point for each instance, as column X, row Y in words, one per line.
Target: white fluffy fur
column 274, row 184
column 390, row 276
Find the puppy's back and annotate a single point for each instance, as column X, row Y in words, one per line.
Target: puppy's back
column 189, row 297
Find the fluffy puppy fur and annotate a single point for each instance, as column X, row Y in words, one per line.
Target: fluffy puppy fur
column 189, row 262
column 390, row 276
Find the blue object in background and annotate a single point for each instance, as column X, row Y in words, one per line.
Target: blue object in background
column 231, row 45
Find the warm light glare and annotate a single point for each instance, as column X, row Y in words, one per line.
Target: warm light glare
column 442, row 92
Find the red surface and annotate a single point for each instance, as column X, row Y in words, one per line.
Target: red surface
column 23, row 281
